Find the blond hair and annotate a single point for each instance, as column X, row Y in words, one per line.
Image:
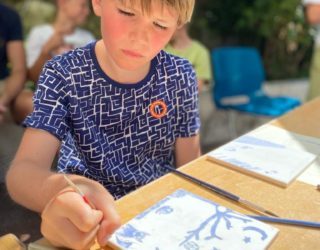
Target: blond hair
column 184, row 8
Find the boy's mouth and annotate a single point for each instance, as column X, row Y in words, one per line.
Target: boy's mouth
column 132, row 53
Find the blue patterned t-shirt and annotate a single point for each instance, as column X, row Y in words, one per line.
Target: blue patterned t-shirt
column 118, row 134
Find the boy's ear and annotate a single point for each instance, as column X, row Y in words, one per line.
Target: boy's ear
column 180, row 26
column 96, row 6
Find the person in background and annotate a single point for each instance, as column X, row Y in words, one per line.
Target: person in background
column 312, row 11
column 48, row 40
column 119, row 110
column 198, row 55
column 12, row 58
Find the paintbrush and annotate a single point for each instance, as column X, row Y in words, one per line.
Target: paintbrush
column 220, row 191
column 78, row 190
column 293, row 222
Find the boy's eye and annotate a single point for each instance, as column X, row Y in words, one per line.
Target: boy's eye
column 126, row 13
column 160, row 26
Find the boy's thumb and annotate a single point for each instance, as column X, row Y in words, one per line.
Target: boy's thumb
column 108, row 225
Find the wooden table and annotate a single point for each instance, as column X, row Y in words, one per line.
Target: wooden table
column 297, row 201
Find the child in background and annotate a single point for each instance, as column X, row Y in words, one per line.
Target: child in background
column 118, row 109
column 312, row 14
column 198, row 55
column 12, row 58
column 48, row 40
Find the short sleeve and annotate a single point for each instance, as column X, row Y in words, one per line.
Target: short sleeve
column 188, row 105
column 50, row 100
column 202, row 64
column 15, row 27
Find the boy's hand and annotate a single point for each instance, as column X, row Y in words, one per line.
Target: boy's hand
column 56, row 45
column 67, row 221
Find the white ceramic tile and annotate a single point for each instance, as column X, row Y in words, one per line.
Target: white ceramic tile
column 183, row 220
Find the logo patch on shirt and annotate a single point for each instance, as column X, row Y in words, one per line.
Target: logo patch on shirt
column 158, row 109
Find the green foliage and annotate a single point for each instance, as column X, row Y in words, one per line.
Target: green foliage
column 277, row 28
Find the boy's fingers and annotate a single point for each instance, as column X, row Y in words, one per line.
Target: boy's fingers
column 88, row 239
column 70, row 206
column 68, row 234
column 104, row 202
column 86, row 222
column 77, row 211
column 110, row 222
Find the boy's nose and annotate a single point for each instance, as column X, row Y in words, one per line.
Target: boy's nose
column 139, row 35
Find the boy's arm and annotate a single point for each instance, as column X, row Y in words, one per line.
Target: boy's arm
column 66, row 219
column 187, row 149
column 29, row 179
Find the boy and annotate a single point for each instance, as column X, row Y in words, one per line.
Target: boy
column 118, row 108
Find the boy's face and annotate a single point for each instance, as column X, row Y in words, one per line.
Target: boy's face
column 132, row 38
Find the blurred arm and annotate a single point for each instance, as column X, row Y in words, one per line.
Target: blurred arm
column 46, row 54
column 35, row 70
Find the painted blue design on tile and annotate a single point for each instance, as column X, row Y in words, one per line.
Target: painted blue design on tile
column 122, row 243
column 191, row 245
column 164, row 210
column 153, row 208
column 130, row 232
column 247, row 239
column 258, row 230
column 129, row 236
column 179, row 193
column 222, row 215
column 250, row 140
column 208, row 231
column 246, row 165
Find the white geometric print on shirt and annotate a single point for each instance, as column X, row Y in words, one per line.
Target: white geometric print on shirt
column 107, row 130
